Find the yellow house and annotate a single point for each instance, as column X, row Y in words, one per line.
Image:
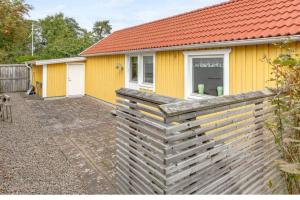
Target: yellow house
column 59, row 77
column 208, row 52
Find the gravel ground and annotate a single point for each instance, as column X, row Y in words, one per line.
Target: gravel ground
column 31, row 162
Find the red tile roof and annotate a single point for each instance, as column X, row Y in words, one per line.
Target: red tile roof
column 232, row 20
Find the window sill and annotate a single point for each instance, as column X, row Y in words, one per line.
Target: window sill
column 200, row 97
column 143, row 86
column 146, row 86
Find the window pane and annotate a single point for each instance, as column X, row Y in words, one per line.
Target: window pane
column 134, row 69
column 208, row 72
column 148, row 69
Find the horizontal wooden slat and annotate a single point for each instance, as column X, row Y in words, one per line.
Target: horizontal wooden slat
column 220, row 116
column 181, row 107
column 147, row 97
column 141, row 107
column 220, row 146
column 188, row 116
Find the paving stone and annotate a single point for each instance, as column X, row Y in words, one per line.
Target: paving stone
column 64, row 146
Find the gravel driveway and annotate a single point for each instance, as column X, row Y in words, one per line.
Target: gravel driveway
column 62, row 146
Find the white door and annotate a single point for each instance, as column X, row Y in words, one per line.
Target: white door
column 75, row 80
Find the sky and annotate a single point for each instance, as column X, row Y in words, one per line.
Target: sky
column 121, row 13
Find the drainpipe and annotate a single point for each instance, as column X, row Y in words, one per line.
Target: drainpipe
column 30, row 73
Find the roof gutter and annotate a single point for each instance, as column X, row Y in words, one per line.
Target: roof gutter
column 270, row 40
column 59, row 60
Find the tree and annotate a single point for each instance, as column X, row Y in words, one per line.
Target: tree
column 101, row 29
column 59, row 36
column 55, row 36
column 14, row 30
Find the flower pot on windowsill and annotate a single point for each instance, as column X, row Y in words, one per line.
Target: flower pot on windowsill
column 220, row 90
column 201, row 89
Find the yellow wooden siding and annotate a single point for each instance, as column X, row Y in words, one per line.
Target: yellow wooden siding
column 37, row 76
column 103, row 78
column 248, row 71
column 169, row 73
column 56, row 80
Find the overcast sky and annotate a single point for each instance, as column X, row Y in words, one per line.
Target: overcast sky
column 121, row 13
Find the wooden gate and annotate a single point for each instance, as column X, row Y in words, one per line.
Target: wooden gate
column 14, row 78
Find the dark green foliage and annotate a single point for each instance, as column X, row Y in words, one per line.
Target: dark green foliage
column 55, row 36
column 22, row 59
column 59, row 36
column 14, row 30
column 101, row 29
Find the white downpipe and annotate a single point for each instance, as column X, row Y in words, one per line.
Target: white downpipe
column 30, row 73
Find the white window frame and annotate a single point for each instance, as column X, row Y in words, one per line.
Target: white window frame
column 140, row 83
column 188, row 72
column 130, row 75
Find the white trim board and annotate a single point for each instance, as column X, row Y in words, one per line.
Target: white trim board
column 44, row 81
column 188, row 71
column 67, row 72
column 60, row 60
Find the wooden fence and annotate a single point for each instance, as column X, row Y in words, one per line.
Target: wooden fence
column 14, row 78
column 217, row 146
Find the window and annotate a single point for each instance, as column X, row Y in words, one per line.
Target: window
column 134, row 69
column 148, row 69
column 206, row 73
column 140, row 71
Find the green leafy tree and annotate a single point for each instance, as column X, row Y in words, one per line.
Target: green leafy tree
column 14, row 30
column 55, row 36
column 101, row 29
column 59, row 36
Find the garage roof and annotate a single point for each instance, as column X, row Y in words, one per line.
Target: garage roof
column 55, row 61
column 229, row 21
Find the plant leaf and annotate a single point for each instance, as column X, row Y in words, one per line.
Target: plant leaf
column 270, row 184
